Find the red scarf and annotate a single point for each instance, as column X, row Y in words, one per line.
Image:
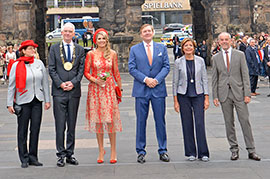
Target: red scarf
column 21, row 72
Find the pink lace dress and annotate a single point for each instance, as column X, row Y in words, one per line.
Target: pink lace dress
column 102, row 111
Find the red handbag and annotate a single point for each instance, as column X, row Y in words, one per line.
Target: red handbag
column 118, row 94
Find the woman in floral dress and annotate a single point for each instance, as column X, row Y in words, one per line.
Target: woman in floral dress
column 102, row 111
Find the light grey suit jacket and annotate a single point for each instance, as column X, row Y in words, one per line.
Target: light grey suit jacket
column 237, row 78
column 37, row 84
column 180, row 76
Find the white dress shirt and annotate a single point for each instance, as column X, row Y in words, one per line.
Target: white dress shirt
column 229, row 54
column 66, row 48
column 152, row 52
column 151, row 47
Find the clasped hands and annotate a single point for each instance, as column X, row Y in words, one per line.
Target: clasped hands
column 67, row 86
column 151, row 82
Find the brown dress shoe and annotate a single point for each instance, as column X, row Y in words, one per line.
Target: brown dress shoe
column 254, row 156
column 257, row 94
column 253, row 94
column 235, row 156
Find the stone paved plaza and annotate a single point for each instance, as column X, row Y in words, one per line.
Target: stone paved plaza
column 219, row 166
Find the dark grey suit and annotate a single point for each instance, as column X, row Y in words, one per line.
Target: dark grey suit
column 230, row 88
column 65, row 103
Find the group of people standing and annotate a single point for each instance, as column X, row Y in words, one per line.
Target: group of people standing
column 29, row 87
column 149, row 65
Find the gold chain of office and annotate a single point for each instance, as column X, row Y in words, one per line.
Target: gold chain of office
column 67, row 65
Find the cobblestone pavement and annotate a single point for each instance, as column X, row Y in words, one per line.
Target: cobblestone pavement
column 86, row 150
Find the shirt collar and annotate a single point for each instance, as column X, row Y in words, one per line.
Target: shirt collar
column 229, row 50
column 151, row 43
column 71, row 43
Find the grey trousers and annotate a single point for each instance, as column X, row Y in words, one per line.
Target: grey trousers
column 243, row 117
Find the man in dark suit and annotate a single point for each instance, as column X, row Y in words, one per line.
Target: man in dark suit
column 66, row 66
column 231, row 88
column 149, row 65
column 253, row 60
column 176, row 44
column 243, row 44
column 203, row 52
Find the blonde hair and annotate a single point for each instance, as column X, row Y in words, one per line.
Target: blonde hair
column 107, row 52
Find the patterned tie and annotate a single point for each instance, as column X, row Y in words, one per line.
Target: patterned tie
column 69, row 53
column 228, row 61
column 149, row 54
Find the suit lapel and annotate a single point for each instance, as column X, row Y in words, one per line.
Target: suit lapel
column 232, row 61
column 63, row 50
column 155, row 53
column 222, row 60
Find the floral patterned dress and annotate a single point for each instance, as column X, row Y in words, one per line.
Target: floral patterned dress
column 102, row 111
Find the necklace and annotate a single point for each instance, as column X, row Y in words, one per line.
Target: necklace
column 67, row 65
column 191, row 72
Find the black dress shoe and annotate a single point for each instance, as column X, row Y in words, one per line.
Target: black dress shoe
column 235, row 156
column 60, row 162
column 164, row 157
column 72, row 161
column 254, row 156
column 24, row 165
column 141, row 158
column 36, row 163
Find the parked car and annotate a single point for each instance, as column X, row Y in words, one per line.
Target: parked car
column 187, row 28
column 172, row 27
column 57, row 34
column 167, row 39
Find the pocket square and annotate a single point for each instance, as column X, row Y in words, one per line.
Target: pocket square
column 160, row 54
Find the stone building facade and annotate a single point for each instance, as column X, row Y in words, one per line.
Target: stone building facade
column 25, row 19
column 21, row 20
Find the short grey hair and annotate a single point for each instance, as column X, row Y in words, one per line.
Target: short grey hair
column 224, row 33
column 68, row 24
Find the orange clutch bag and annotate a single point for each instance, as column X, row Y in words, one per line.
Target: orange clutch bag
column 118, row 94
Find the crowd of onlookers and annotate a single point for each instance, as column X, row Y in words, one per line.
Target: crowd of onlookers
column 7, row 54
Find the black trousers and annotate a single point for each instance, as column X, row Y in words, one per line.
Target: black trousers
column 253, row 82
column 65, row 111
column 31, row 112
column 189, row 107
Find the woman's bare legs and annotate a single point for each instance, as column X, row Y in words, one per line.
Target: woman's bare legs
column 100, row 137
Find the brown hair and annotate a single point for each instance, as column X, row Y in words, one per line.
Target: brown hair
column 146, row 25
column 107, row 52
column 185, row 41
column 21, row 54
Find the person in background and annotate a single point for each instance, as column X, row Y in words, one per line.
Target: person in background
column 253, row 63
column 190, row 93
column 266, row 59
column 243, row 44
column 28, row 88
column 176, row 44
column 203, row 52
column 16, row 50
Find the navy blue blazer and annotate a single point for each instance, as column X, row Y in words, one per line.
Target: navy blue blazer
column 252, row 61
column 140, row 68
